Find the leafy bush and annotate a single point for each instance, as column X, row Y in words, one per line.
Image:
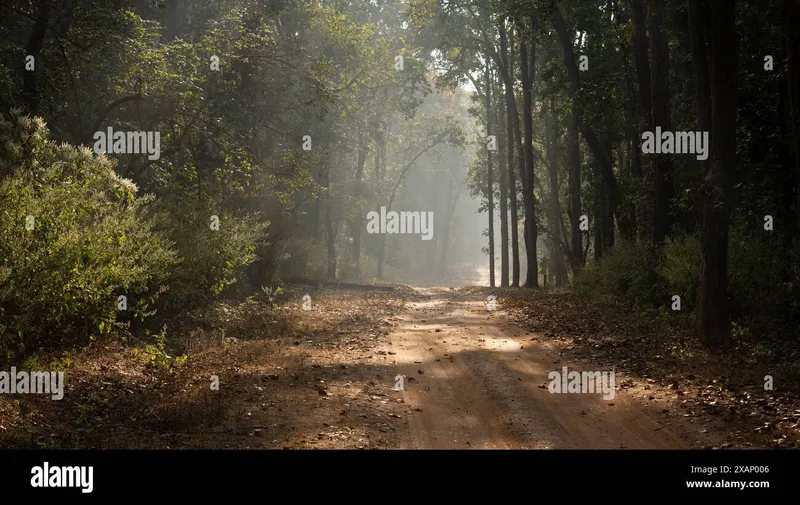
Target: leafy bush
column 210, row 260
column 628, row 275
column 155, row 354
column 300, row 257
column 272, row 294
column 760, row 285
column 681, row 268
column 762, row 302
column 91, row 240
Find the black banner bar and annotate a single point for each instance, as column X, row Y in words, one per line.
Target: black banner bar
column 752, row 474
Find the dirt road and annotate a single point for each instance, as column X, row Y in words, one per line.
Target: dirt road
column 324, row 379
column 473, row 380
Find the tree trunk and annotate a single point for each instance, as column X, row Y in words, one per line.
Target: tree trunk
column 316, row 211
column 589, row 134
column 503, row 179
column 792, row 22
column 699, row 33
column 381, row 249
column 451, row 207
column 554, row 216
column 331, row 241
column 380, row 149
column 608, row 215
column 599, row 212
column 575, row 192
column 662, row 177
column 713, row 318
column 636, row 172
column 698, row 26
column 30, row 90
column 358, row 222
column 642, row 63
column 528, row 70
column 640, row 57
column 330, row 235
column 490, row 186
column 512, row 138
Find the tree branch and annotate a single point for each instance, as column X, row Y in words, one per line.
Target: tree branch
column 110, row 107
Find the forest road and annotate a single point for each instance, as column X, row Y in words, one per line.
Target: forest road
column 472, row 379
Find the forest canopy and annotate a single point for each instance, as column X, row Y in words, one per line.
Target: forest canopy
column 160, row 155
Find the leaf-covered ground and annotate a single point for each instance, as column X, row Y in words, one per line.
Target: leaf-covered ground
column 287, row 378
column 322, row 378
column 724, row 391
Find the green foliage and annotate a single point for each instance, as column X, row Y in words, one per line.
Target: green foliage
column 300, row 257
column 209, row 260
column 760, row 284
column 92, row 240
column 628, row 274
column 154, row 354
column 681, row 268
column 229, row 146
column 272, row 294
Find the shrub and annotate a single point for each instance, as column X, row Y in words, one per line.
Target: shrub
column 210, row 260
column 681, row 268
column 300, row 257
column 762, row 303
column 92, row 240
column 628, row 275
column 761, row 298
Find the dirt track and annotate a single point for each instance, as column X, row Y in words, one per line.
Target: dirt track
column 473, row 380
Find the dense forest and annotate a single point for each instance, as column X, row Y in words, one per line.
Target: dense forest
column 279, row 125
column 162, row 159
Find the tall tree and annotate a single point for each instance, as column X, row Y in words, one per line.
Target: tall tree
column 505, row 66
column 554, row 207
column 503, row 135
column 641, row 60
column 490, row 189
column 574, row 157
column 357, row 221
column 698, row 28
column 662, row 176
column 713, row 317
column 33, row 48
column 528, row 70
column 597, row 147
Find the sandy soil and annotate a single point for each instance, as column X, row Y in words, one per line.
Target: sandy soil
column 474, row 380
column 326, row 378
